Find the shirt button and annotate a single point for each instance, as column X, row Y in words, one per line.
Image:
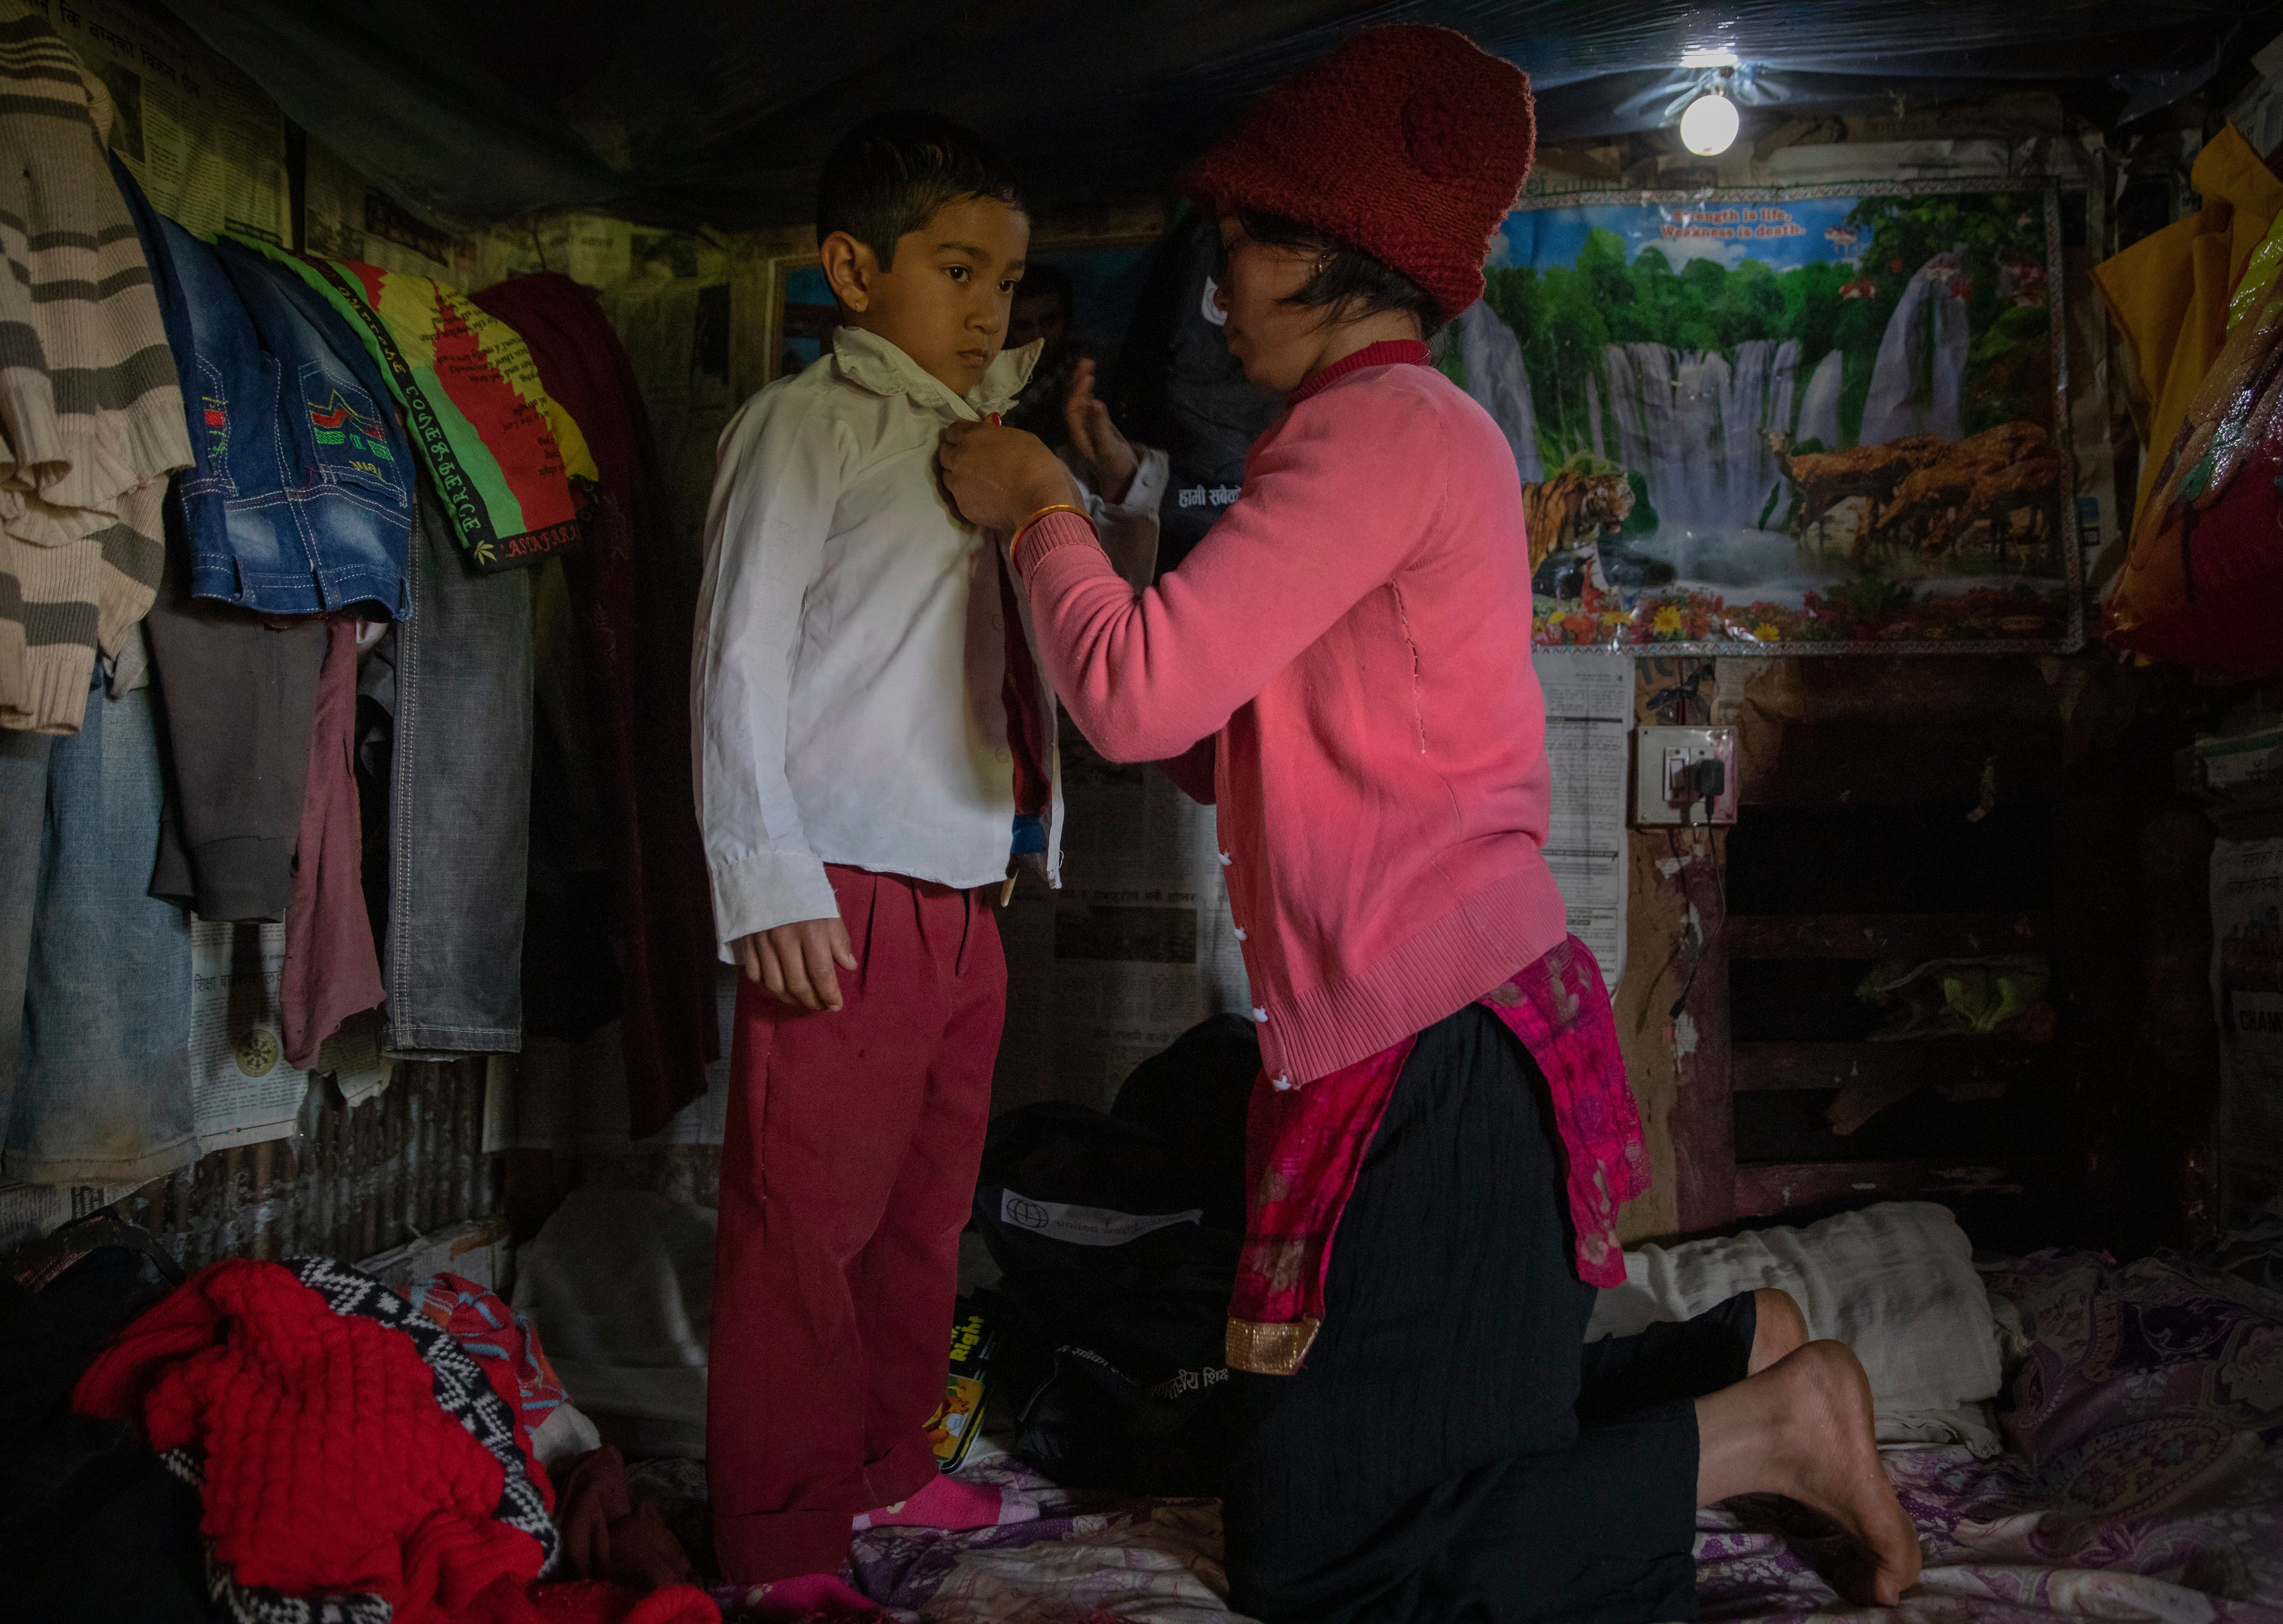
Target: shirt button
column 1260, row 1015
column 1240, row 933
column 1225, row 859
column 1281, row 1083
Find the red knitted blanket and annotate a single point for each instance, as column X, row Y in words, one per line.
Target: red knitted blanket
column 329, row 1468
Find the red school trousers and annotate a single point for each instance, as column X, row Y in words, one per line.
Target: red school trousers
column 847, row 1171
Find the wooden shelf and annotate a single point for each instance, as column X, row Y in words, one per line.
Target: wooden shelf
column 1884, row 935
column 1838, row 764
column 1861, row 811
column 1755, row 1067
column 1764, row 1189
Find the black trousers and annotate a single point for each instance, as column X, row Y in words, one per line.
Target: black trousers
column 1451, row 1452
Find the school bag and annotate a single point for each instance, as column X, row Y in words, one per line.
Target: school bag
column 1116, row 1292
column 1195, row 1094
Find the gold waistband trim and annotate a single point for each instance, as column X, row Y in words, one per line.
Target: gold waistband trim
column 1268, row 1349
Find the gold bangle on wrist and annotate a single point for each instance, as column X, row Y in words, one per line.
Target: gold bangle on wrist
column 1014, row 547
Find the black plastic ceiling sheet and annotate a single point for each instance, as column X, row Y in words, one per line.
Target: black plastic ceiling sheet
column 717, row 111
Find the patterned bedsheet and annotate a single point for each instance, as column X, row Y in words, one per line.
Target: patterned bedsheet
column 1090, row 1559
column 2143, row 1480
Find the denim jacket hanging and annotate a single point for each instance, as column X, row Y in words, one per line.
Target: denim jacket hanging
column 298, row 499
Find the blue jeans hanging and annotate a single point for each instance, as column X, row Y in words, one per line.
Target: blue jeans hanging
column 102, row 1075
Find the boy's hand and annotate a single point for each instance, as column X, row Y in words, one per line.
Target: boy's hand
column 999, row 477
column 795, row 962
column 1107, row 454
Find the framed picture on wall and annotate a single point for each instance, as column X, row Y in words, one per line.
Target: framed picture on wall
column 1797, row 420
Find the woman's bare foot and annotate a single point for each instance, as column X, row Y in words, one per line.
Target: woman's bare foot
column 1802, row 1428
column 1779, row 1327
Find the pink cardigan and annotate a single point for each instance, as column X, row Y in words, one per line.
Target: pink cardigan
column 1344, row 665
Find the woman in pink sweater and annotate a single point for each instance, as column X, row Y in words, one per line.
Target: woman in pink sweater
column 1342, row 668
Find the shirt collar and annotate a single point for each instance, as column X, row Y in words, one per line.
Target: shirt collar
column 1387, row 351
column 872, row 362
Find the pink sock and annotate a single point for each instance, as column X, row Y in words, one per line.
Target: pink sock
column 945, row 1502
column 811, row 1595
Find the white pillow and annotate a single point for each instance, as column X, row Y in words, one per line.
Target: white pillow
column 1896, row 1281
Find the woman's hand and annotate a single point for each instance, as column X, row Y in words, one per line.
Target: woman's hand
column 1108, row 455
column 999, row 477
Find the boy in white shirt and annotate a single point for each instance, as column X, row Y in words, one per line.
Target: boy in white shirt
column 872, row 742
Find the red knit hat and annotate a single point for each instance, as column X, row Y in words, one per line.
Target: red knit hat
column 1409, row 142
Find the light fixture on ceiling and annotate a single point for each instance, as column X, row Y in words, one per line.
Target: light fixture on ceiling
column 1708, row 127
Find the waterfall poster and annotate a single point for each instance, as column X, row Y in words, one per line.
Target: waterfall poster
column 1813, row 420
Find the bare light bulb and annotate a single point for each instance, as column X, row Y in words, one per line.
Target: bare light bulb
column 1708, row 127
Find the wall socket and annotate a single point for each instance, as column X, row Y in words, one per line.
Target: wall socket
column 1665, row 759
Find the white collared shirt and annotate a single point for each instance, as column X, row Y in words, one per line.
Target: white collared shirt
column 845, row 681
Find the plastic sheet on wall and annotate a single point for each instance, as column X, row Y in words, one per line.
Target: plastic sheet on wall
column 1793, row 420
column 717, row 111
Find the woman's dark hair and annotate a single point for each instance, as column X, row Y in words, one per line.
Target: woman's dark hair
column 891, row 174
column 1345, row 278
column 1044, row 279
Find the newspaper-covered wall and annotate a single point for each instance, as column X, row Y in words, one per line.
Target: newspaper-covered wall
column 672, row 310
column 205, row 142
column 242, row 1089
column 1589, row 709
column 1135, row 948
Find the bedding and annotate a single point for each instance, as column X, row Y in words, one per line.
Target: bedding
column 2143, row 1476
column 2142, row 1479
column 1090, row 1559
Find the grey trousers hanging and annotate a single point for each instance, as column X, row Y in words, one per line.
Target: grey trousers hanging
column 459, row 816
column 101, row 1076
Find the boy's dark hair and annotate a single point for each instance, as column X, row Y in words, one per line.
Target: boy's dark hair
column 1344, row 273
column 891, row 174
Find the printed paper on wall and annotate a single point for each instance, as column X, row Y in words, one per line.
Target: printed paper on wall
column 205, row 143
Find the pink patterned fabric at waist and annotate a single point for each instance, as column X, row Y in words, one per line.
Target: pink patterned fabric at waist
column 1304, row 1149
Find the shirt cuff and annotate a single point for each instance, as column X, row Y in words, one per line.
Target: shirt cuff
column 766, row 890
column 1143, row 492
column 1052, row 534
